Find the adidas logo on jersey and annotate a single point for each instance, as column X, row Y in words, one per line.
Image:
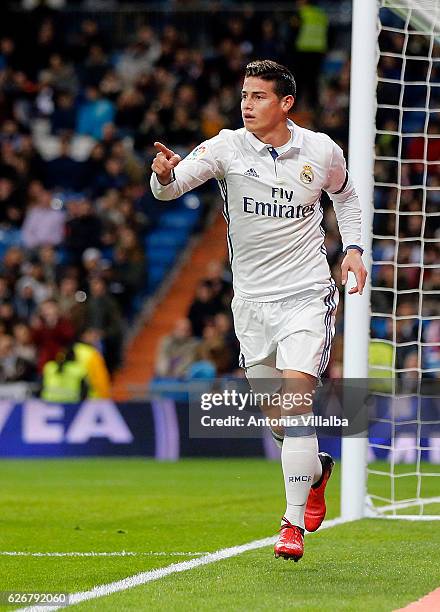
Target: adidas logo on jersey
column 252, row 172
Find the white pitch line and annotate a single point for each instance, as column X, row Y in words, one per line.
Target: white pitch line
column 157, row 574
column 120, row 553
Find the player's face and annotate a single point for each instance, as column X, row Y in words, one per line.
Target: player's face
column 262, row 110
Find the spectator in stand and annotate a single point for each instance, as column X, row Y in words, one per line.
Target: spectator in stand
column 103, row 315
column 12, row 265
column 95, row 66
column 139, row 57
column 269, row 44
column 382, row 301
column 221, row 286
column 33, row 276
column 109, row 137
column 212, row 120
column 150, row 129
column 224, row 326
column 183, row 131
column 406, row 330
column 111, row 85
column 61, row 75
column 5, row 292
column 47, row 258
column 72, row 302
column 93, row 166
column 51, row 332
column 92, row 262
column 129, row 270
column 63, row 173
column 87, row 353
column 94, row 113
column 131, row 166
column 30, row 153
column 112, row 177
column 63, row 118
column 203, row 308
column 11, row 204
column 13, row 368
column 177, row 351
column 8, row 317
column 25, row 302
column 83, row 228
column 310, row 29
column 213, row 348
column 416, row 149
column 46, row 44
column 130, row 108
column 24, row 347
column 431, row 354
column 133, row 216
column 44, row 222
column 82, row 42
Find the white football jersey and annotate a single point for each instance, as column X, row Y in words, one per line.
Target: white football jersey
column 272, row 207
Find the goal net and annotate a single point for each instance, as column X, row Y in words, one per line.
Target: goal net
column 403, row 474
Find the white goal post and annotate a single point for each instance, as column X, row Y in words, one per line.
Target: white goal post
column 415, row 18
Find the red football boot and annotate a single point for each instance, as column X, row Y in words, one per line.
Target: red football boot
column 290, row 543
column 315, row 507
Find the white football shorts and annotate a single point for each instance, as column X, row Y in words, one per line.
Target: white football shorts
column 291, row 334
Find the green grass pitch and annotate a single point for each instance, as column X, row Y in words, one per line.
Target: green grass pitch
column 136, row 505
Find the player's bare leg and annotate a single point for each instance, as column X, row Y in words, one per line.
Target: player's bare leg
column 267, row 382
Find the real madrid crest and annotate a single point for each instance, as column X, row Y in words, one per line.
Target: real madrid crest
column 307, row 175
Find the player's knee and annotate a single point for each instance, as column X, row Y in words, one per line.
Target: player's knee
column 298, row 394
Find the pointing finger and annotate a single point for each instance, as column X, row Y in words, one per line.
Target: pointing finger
column 163, row 149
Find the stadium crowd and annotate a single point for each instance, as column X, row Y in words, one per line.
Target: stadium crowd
column 78, row 115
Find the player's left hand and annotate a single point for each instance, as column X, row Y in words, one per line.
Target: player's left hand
column 352, row 262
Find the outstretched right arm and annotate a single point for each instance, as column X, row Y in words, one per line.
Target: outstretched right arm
column 172, row 177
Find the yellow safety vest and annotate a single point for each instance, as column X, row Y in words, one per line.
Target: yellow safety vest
column 63, row 385
column 312, row 35
column 380, row 354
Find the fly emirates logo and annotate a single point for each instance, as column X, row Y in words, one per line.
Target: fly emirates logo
column 281, row 206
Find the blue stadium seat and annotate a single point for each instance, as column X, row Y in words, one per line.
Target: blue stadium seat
column 10, row 238
column 161, row 255
column 378, row 327
column 179, row 219
column 170, row 237
column 333, row 64
column 3, row 249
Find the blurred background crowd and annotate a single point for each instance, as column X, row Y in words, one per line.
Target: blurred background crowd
column 83, row 95
column 406, row 229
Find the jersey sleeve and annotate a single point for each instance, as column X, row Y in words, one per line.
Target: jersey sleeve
column 342, row 193
column 210, row 159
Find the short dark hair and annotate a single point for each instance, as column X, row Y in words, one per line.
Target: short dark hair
column 272, row 71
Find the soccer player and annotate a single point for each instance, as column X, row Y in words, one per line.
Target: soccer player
column 271, row 173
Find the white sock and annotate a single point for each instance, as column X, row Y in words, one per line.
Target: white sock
column 279, row 439
column 299, row 459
